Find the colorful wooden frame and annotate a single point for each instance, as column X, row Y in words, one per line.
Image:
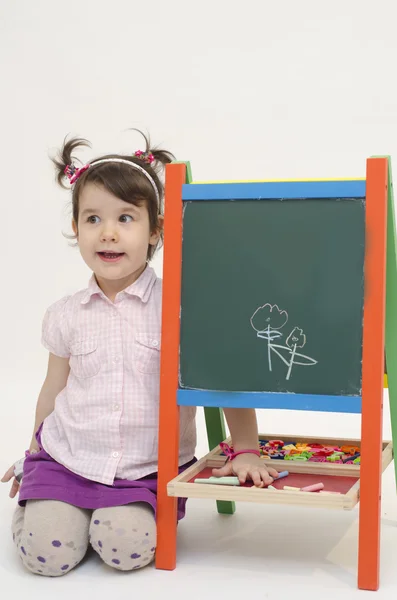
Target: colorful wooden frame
column 374, row 189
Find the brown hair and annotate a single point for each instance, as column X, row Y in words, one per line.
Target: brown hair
column 119, row 179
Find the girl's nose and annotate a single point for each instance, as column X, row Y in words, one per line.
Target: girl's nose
column 109, row 235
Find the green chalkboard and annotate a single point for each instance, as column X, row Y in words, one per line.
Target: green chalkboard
column 272, row 296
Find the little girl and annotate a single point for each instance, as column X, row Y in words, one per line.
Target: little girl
column 90, row 474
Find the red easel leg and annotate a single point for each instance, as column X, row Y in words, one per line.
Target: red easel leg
column 373, row 370
column 169, row 410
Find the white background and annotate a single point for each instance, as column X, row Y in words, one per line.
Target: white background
column 244, row 90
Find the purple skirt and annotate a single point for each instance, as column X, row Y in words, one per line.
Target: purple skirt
column 45, row 479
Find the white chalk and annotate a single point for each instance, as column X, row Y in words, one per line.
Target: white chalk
column 219, row 481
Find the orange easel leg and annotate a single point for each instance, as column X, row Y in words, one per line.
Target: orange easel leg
column 373, row 371
column 169, row 411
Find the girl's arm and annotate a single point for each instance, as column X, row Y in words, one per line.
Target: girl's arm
column 243, row 427
column 55, row 381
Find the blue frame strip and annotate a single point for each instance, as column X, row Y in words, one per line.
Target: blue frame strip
column 347, row 404
column 288, row 190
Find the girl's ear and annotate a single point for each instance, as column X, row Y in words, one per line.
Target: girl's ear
column 155, row 235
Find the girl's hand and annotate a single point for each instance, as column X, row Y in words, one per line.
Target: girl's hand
column 16, row 472
column 248, row 466
column 15, row 484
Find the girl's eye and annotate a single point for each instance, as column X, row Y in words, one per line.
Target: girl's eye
column 93, row 219
column 126, row 219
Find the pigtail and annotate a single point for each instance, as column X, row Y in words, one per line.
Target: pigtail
column 161, row 157
column 65, row 157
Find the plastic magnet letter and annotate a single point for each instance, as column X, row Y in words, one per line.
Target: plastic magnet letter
column 289, row 447
column 313, row 488
column 276, row 443
column 307, row 454
column 354, row 456
column 349, row 459
column 333, row 458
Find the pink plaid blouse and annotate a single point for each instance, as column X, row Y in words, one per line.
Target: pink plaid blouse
column 105, row 422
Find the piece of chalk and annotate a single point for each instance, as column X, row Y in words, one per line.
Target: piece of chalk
column 316, row 487
column 282, row 474
column 291, row 489
column 219, row 481
column 329, row 493
column 271, row 487
column 232, row 479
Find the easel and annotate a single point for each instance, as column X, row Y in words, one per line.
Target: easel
column 380, row 241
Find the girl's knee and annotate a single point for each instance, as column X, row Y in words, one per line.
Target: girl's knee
column 128, row 559
column 122, row 541
column 46, row 570
column 41, row 558
column 53, row 537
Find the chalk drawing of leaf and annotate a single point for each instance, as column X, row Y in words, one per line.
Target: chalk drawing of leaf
column 267, row 317
column 296, row 338
column 285, row 353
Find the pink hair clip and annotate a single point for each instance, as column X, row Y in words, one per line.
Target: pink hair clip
column 73, row 173
column 146, row 157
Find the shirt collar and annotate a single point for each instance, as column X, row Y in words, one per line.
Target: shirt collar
column 141, row 288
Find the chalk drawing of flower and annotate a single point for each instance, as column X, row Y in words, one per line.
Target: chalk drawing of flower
column 267, row 320
column 267, row 317
column 296, row 339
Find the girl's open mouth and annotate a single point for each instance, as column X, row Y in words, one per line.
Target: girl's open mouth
column 111, row 256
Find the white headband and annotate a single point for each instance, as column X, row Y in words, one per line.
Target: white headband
column 134, row 166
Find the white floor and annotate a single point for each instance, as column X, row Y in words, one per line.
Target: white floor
column 260, row 552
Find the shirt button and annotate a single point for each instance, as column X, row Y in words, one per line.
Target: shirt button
column 116, row 359
column 155, row 343
column 115, row 454
column 116, row 407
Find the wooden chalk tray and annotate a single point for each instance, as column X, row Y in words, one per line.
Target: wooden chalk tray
column 341, row 478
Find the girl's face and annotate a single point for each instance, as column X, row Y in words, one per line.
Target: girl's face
column 113, row 236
